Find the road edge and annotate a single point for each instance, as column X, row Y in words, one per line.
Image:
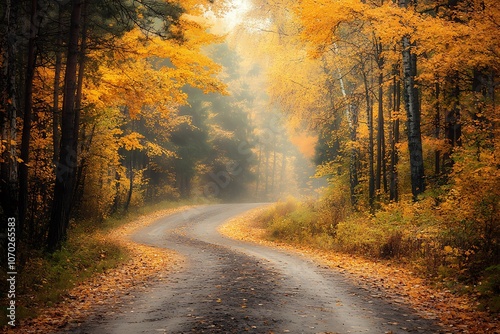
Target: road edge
column 107, row 290
column 392, row 281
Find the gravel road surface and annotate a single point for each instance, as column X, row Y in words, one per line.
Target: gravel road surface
column 229, row 286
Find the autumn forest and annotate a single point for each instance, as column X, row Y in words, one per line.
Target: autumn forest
column 374, row 125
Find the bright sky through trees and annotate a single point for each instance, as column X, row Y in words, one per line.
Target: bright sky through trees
column 236, row 15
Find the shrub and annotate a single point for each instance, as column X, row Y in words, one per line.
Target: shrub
column 490, row 289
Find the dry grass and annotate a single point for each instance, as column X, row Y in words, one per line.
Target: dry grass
column 457, row 314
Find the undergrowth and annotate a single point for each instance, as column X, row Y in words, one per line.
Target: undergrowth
column 45, row 278
column 451, row 250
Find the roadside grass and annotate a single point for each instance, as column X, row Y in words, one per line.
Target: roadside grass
column 304, row 223
column 45, row 278
column 409, row 234
column 389, row 278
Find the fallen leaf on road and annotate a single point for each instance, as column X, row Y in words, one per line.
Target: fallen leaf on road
column 109, row 289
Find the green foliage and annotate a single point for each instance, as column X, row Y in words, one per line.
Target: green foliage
column 280, row 209
column 82, row 256
column 387, row 234
column 310, row 222
column 490, row 289
column 45, row 278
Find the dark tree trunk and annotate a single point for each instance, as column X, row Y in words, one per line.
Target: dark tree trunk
column 396, row 104
column 131, row 181
column 452, row 124
column 80, row 173
column 381, row 168
column 437, row 130
column 483, row 87
column 65, row 173
column 381, row 174
column 80, row 176
column 9, row 103
column 56, row 115
column 353, row 161
column 116, row 199
column 27, row 118
column 371, row 170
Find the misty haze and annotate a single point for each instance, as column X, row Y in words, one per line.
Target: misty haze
column 311, row 166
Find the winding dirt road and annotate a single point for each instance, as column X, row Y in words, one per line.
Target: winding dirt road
column 228, row 286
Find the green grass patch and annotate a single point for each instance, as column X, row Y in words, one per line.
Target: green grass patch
column 490, row 289
column 45, row 278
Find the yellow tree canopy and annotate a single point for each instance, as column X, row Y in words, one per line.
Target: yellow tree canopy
column 146, row 72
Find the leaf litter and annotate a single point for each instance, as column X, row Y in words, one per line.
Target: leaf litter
column 108, row 290
column 456, row 314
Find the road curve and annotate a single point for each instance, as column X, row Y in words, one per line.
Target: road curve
column 228, row 286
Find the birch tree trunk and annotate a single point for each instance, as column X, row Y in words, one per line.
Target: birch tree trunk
column 413, row 115
column 412, row 107
column 352, row 119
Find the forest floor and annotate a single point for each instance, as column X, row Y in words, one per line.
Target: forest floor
column 149, row 265
column 231, row 286
column 455, row 313
column 107, row 289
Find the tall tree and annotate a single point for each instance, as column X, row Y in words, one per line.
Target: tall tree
column 10, row 45
column 66, row 166
column 371, row 155
column 27, row 117
column 381, row 174
column 412, row 107
column 396, row 104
